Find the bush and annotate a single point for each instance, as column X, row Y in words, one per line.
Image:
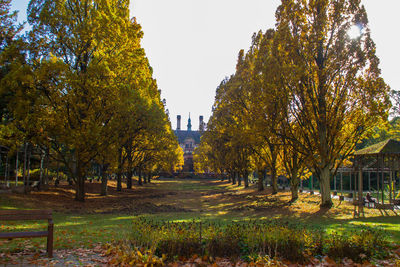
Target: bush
column 356, row 245
column 254, row 240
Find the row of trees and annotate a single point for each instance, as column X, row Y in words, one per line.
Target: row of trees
column 78, row 85
column 301, row 98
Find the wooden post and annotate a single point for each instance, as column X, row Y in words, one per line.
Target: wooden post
column 369, row 181
column 378, row 163
column 341, row 182
column 334, row 183
column 390, row 186
column 360, row 191
column 350, row 183
column 383, row 179
column 394, row 184
column 355, row 185
column 50, row 238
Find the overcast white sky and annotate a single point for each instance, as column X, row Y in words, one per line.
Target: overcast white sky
column 193, row 44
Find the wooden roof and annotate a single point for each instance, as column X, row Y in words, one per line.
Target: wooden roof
column 389, row 146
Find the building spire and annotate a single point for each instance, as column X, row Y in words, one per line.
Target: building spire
column 189, row 126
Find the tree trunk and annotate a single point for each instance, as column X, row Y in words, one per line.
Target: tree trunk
column 239, row 179
column 246, row 179
column 140, row 178
column 119, row 181
column 274, row 181
column 265, row 177
column 80, row 182
column 119, row 172
column 27, row 186
column 234, row 178
column 294, row 184
column 130, row 168
column 42, row 156
column 325, row 187
column 16, row 169
column 144, row 178
column 46, row 163
column 80, row 188
column 149, row 177
column 25, row 159
column 260, row 183
column 104, row 180
column 129, row 179
column 6, row 171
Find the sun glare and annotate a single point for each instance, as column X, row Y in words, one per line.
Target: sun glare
column 354, row 32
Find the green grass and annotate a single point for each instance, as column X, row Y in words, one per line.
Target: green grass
column 70, row 231
column 85, row 230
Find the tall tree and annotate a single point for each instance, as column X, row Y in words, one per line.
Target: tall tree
column 12, row 69
column 83, row 52
column 334, row 81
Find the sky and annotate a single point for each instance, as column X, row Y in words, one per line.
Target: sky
column 192, row 45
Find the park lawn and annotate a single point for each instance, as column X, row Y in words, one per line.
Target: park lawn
column 85, row 231
column 94, row 223
column 70, row 231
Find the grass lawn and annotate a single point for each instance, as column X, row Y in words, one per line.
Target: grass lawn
column 103, row 219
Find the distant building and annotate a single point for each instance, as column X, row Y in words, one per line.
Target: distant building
column 189, row 140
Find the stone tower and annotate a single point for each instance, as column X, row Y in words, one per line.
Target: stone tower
column 178, row 122
column 189, row 126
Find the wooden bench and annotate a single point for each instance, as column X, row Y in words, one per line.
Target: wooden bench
column 23, row 215
column 370, row 204
column 381, row 206
column 396, row 202
column 365, row 202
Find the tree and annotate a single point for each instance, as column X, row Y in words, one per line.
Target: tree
column 12, row 59
column 334, row 82
column 82, row 52
column 10, row 54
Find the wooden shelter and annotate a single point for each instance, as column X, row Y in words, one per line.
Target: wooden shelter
column 384, row 159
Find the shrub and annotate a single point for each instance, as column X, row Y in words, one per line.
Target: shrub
column 356, row 245
column 223, row 242
column 253, row 240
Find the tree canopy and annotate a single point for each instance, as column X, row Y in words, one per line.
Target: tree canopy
column 83, row 89
column 305, row 94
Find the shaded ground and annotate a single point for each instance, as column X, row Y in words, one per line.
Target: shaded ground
column 208, row 197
